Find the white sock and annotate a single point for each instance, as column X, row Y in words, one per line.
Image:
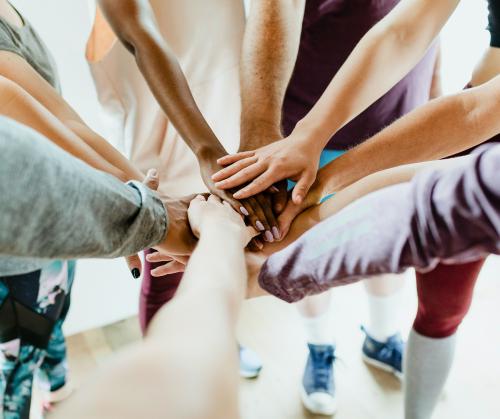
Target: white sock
column 318, row 329
column 427, row 363
column 384, row 319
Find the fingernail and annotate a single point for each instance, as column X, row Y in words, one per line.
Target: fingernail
column 274, row 189
column 237, row 195
column 136, row 273
column 259, row 226
column 244, row 211
column 269, row 237
column 276, row 233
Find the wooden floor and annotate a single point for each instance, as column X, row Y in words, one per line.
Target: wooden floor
column 273, row 329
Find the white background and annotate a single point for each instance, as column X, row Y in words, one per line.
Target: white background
column 104, row 290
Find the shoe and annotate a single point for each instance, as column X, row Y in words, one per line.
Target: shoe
column 318, row 382
column 387, row 356
column 250, row 363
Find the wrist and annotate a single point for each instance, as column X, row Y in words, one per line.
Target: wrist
column 258, row 133
column 313, row 134
column 221, row 227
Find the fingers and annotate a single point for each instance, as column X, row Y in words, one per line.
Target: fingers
column 151, row 180
column 255, row 244
column 280, row 198
column 231, row 158
column 134, row 265
column 266, row 205
column 243, row 176
column 233, row 168
column 258, row 219
column 302, row 187
column 157, row 257
column 168, row 269
column 259, row 184
column 286, row 218
column 214, row 199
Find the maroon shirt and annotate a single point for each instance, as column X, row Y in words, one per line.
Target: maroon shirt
column 330, row 31
column 448, row 215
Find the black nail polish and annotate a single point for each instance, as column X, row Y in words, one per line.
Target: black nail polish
column 136, row 273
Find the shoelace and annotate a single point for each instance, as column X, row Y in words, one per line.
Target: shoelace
column 393, row 350
column 323, row 370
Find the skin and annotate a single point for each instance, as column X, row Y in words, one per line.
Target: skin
column 134, row 23
column 156, row 378
column 441, row 128
column 270, row 48
column 401, row 38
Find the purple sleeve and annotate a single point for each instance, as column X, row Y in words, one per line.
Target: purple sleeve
column 442, row 215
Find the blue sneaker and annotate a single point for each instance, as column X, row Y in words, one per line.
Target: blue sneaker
column 250, row 363
column 387, row 356
column 318, row 382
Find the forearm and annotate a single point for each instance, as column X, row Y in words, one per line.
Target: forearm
column 78, row 212
column 16, row 70
column 438, row 129
column 270, row 48
column 382, row 58
column 18, row 105
column 134, row 23
column 204, row 309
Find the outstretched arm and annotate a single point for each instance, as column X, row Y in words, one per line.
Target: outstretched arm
column 270, row 47
column 55, row 206
column 442, row 215
column 158, row 378
column 16, row 69
column 134, row 23
column 383, row 57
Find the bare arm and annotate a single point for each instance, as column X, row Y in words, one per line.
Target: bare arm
column 438, row 129
column 382, row 58
column 16, row 69
column 134, row 23
column 270, row 48
column 159, row 377
column 18, row 105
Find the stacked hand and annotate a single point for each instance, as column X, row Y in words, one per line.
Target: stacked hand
column 258, row 209
column 203, row 213
column 257, row 171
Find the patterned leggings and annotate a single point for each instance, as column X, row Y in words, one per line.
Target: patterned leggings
column 33, row 307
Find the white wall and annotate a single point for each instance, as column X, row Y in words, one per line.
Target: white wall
column 104, row 290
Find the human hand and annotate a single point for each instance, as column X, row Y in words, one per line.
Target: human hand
column 257, row 209
column 291, row 158
column 134, row 262
column 179, row 240
column 169, row 264
column 212, row 212
column 292, row 210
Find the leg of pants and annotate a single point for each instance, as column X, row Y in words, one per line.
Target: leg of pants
column 444, row 296
column 16, row 382
column 155, row 292
column 37, row 299
column 54, row 368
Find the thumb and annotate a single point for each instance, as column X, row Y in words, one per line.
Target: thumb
column 151, row 180
column 286, row 218
column 302, row 187
column 134, row 265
